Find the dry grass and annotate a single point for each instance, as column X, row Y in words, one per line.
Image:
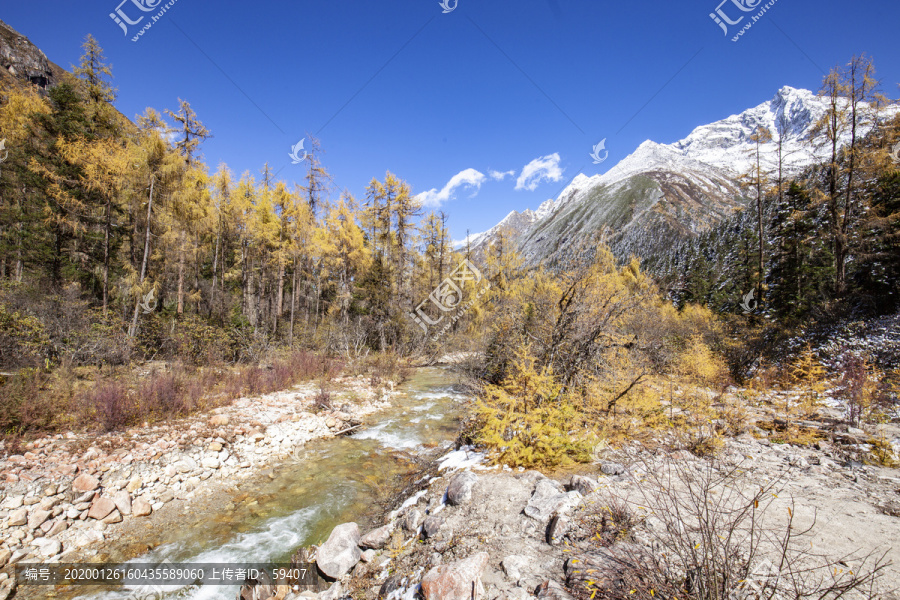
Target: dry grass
column 34, row 402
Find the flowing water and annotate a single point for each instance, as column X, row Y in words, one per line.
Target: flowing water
column 332, row 481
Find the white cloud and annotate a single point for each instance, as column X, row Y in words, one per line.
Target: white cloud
column 501, row 175
column 469, row 178
column 540, row 169
column 469, row 238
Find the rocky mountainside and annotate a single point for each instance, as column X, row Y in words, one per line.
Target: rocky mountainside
column 665, row 193
column 22, row 62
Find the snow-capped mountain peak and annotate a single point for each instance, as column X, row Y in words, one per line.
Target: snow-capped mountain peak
column 661, row 193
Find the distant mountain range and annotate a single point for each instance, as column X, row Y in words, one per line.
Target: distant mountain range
column 662, row 194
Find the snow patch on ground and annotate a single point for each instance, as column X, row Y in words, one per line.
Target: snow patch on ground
column 463, row 458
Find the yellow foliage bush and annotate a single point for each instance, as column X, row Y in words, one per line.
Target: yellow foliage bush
column 526, row 421
column 569, row 357
column 882, row 452
column 21, row 335
column 695, row 423
column 698, row 364
column 808, row 374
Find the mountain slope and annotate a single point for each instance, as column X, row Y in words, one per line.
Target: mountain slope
column 21, row 62
column 664, row 193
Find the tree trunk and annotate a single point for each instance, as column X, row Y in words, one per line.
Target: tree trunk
column 279, row 295
column 137, row 303
column 215, row 269
column 759, row 230
column 180, row 308
column 106, row 230
column 20, row 241
column 294, row 292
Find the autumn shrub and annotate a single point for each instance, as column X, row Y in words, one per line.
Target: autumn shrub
column 251, row 380
column 46, row 329
column 198, row 342
column 619, row 412
column 886, row 405
column 697, row 364
column 696, row 425
column 766, row 376
column 159, row 395
column 604, row 336
column 385, row 366
column 526, row 421
column 251, row 344
column 30, row 402
column 305, row 365
column 734, row 415
column 716, row 532
column 109, row 405
column 857, row 386
column 807, row 375
column 23, row 338
column 323, row 399
column 172, row 393
column 883, row 453
column 282, row 374
column 193, row 395
column 671, row 332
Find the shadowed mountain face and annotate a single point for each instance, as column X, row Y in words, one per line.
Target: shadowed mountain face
column 663, row 194
column 21, row 62
column 641, row 215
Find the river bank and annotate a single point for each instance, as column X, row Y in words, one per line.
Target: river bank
column 474, row 531
column 70, row 492
column 288, row 501
column 458, row 524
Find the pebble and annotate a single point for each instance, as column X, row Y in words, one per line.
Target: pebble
column 48, row 547
column 18, row 517
column 13, row 502
column 612, row 468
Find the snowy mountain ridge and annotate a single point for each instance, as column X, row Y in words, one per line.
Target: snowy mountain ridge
column 677, row 189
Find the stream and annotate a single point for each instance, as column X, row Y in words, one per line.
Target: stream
column 327, row 482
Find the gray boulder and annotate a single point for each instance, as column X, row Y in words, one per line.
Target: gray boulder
column 460, row 489
column 393, row 584
column 433, row 525
column 340, row 552
column 376, row 539
column 559, row 526
column 547, row 500
column 367, row 556
column 612, row 468
column 47, row 547
column 515, row 565
column 411, row 519
column 582, row 485
column 37, row 518
column 18, row 517
column 332, row 593
column 550, row 590
column 122, row 500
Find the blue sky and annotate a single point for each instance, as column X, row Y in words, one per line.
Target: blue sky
column 439, row 98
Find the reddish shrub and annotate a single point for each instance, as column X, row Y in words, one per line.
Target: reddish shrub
column 158, row 395
column 112, row 408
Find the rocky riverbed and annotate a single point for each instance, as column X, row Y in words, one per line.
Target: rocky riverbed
column 463, row 529
column 474, row 531
column 66, row 495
